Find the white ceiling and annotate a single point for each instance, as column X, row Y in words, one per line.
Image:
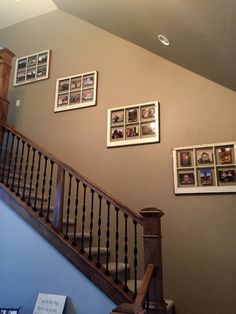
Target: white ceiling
column 16, row 11
column 201, row 32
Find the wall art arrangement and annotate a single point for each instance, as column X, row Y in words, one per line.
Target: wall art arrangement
column 205, row 169
column 76, row 91
column 32, row 68
column 136, row 124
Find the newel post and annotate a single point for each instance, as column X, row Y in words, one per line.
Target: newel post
column 5, row 69
column 57, row 221
column 153, row 255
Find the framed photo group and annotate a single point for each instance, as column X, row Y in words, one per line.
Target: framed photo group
column 136, row 124
column 32, row 68
column 76, row 91
column 205, row 169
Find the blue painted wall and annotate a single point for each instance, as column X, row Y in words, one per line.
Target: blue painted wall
column 29, row 265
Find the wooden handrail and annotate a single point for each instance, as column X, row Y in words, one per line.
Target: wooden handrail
column 134, row 215
column 138, row 306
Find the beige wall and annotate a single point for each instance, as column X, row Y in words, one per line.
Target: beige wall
column 199, row 230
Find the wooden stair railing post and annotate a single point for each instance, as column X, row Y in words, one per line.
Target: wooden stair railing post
column 5, row 69
column 153, row 255
column 57, row 222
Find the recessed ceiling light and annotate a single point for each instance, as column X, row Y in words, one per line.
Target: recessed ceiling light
column 164, row 40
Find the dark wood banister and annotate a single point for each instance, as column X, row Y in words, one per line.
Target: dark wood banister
column 138, row 306
column 134, row 215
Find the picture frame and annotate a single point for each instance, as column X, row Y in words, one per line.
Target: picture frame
column 205, row 168
column 32, row 68
column 135, row 124
column 77, row 91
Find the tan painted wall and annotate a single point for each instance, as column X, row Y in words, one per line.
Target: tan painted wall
column 199, row 231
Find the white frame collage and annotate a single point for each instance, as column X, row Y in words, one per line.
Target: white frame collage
column 207, row 168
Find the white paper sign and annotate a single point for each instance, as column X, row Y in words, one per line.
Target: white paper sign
column 49, row 304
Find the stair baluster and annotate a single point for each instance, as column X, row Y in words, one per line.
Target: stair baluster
column 98, row 263
column 37, row 182
column 31, row 177
column 5, row 156
column 49, row 193
column 26, row 172
column 83, row 219
column 15, row 164
column 126, row 260
column 91, row 225
column 43, row 184
column 117, row 245
column 10, row 158
column 108, row 238
column 135, row 257
column 68, row 208
column 21, row 166
column 74, row 242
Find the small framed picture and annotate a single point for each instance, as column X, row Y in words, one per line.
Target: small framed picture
column 32, row 61
column 205, row 176
column 117, row 134
column 87, row 95
column 80, row 91
column 132, row 115
column 186, row 178
column 148, row 129
column 148, row 112
column 76, row 83
column 185, row 158
column 21, row 76
column 227, row 175
column 126, row 124
column 225, row 155
column 22, row 64
column 204, row 156
column 63, row 100
column 132, row 131
column 31, row 73
column 64, row 86
column 117, row 116
column 32, row 68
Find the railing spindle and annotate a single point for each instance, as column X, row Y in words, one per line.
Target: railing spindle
column 43, row 186
column 26, row 172
column 5, row 156
column 37, row 182
column 10, row 159
column 68, row 208
column 126, row 260
column 49, row 193
column 2, row 143
column 91, row 225
column 135, row 258
column 83, row 219
column 108, row 237
column 20, row 170
column 74, row 242
column 98, row 264
column 15, row 164
column 31, row 177
column 117, row 245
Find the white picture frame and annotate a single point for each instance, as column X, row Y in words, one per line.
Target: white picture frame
column 208, row 168
column 32, row 68
column 76, row 91
column 132, row 125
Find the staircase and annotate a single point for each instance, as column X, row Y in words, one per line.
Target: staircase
column 101, row 236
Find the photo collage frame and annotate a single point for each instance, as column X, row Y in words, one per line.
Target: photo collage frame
column 205, row 169
column 32, row 68
column 77, row 91
column 136, row 124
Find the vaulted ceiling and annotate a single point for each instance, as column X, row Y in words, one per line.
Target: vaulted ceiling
column 201, row 33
